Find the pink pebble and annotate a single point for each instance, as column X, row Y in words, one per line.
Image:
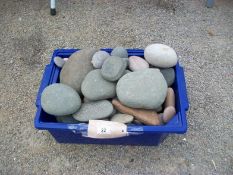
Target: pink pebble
column 65, row 59
column 137, row 63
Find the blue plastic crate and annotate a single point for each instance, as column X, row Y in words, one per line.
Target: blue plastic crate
column 144, row 135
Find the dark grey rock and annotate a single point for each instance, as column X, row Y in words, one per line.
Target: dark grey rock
column 60, row 100
column 94, row 110
column 95, row 87
column 169, row 75
column 113, row 68
column 76, row 68
column 144, row 89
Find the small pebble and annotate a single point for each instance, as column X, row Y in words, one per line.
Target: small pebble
column 59, row 61
column 122, row 118
column 137, row 63
column 99, row 58
column 65, row 59
column 120, row 52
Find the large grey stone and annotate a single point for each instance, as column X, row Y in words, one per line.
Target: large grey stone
column 94, row 110
column 145, row 89
column 76, row 68
column 113, row 68
column 60, row 100
column 95, row 87
column 169, row 75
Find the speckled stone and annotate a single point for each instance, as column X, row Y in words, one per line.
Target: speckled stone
column 122, row 118
column 60, row 100
column 59, row 61
column 119, row 52
column 76, row 68
column 94, row 87
column 94, row 110
column 113, row 68
column 144, row 89
column 169, row 75
column 99, row 58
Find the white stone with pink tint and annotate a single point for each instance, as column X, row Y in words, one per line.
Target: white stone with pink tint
column 137, row 63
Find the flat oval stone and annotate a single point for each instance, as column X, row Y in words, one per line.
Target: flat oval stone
column 144, row 89
column 94, row 110
column 60, row 100
column 99, row 58
column 122, row 118
column 160, row 55
column 137, row 63
column 59, row 61
column 95, row 87
column 113, row 68
column 119, row 52
column 76, row 68
column 169, row 75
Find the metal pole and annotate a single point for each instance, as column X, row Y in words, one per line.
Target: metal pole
column 53, row 7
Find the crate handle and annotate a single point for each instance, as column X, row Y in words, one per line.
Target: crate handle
column 183, row 89
column 44, row 82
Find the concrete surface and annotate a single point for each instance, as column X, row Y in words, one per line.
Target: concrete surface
column 203, row 39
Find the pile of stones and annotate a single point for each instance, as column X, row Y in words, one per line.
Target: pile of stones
column 96, row 85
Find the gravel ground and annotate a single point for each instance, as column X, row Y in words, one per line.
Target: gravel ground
column 203, row 39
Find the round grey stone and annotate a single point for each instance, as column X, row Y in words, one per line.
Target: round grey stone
column 99, row 58
column 120, row 52
column 76, row 68
column 144, row 89
column 113, row 68
column 95, row 87
column 59, row 61
column 66, row 119
column 169, row 75
column 60, row 100
column 122, row 118
column 94, row 110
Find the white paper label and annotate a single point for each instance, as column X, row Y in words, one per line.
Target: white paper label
column 106, row 129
